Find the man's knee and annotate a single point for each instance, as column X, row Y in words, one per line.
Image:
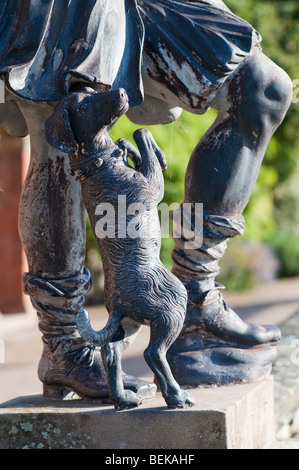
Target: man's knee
column 261, row 88
column 269, row 87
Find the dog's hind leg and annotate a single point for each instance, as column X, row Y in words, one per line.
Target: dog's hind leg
column 111, row 355
column 164, row 331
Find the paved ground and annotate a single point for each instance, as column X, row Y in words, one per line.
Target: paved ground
column 21, row 339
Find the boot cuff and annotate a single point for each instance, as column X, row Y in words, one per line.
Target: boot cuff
column 68, row 288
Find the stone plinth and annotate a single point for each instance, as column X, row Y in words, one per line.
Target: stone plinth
column 232, row 417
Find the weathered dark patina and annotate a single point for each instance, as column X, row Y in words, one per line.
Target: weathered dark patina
column 138, row 288
column 168, row 55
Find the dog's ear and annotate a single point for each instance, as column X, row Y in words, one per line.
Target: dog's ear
column 58, row 130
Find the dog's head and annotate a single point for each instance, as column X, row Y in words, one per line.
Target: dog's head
column 80, row 117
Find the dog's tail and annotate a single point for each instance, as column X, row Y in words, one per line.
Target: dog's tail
column 102, row 337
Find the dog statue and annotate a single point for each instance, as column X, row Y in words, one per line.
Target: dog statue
column 139, row 290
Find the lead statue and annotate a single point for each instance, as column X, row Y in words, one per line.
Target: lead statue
column 168, row 55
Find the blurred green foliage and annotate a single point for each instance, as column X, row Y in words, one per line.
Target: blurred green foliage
column 177, row 140
column 272, row 215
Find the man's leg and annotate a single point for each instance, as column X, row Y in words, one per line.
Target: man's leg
column 221, row 174
column 52, row 229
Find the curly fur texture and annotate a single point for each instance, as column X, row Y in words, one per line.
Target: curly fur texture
column 138, row 288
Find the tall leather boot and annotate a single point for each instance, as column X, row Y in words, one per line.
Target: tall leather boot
column 68, row 363
column 216, row 346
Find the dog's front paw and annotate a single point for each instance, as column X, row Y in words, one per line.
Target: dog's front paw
column 128, row 399
column 181, row 400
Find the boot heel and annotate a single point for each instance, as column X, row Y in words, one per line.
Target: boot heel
column 53, row 391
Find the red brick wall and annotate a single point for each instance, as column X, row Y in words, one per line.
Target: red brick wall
column 13, row 159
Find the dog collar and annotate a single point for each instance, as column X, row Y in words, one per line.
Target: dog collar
column 85, row 168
